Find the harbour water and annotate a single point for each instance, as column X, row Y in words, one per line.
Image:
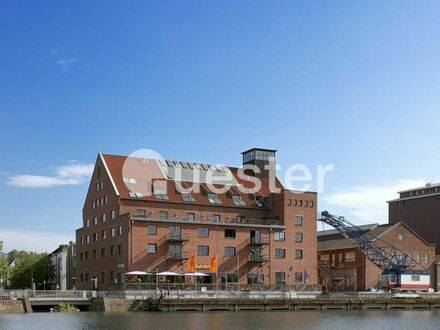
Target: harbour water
column 277, row 320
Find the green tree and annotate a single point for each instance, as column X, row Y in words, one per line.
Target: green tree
column 31, row 267
column 4, row 267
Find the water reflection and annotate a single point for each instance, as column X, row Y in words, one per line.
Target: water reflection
column 255, row 320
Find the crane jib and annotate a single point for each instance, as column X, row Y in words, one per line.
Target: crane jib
column 386, row 256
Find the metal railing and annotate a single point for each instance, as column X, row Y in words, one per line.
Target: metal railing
column 177, row 237
column 178, row 255
column 259, row 241
column 258, row 258
column 49, row 294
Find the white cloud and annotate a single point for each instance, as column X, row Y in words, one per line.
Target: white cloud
column 367, row 204
column 73, row 173
column 67, row 62
column 38, row 241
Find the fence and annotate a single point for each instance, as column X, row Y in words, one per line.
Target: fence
column 68, row 294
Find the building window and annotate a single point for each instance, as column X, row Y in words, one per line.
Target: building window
column 280, row 253
column 418, row 257
column 113, row 214
column 82, row 240
column 120, row 230
column 87, row 223
column 202, row 250
column 81, row 256
column 255, row 278
column 112, row 250
column 350, row 257
column 95, row 220
column 280, row 236
column 187, row 197
column 401, row 237
column 298, row 254
column 230, row 233
column 102, row 252
column 289, row 202
column 230, row 278
column 113, row 232
column 163, row 215
column 141, row 213
column 238, row 200
column 415, row 278
column 94, row 254
column 87, row 239
column 105, row 199
column 280, row 277
column 129, row 180
column 229, row 251
column 101, row 185
column 95, row 237
column 324, row 257
column 119, row 249
column 190, row 216
column 151, row 249
column 298, row 237
column 134, row 194
column 202, row 232
column 298, row 220
column 93, row 204
column 159, row 191
column 426, row 258
column 97, row 202
column 213, row 199
column 102, row 200
column 216, row 217
column 104, row 217
column 151, row 230
column 298, row 277
column 311, row 204
column 87, row 255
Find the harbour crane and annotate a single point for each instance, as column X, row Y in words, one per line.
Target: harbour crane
column 398, row 269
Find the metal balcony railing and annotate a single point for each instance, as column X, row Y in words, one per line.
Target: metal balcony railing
column 258, row 258
column 177, row 255
column 177, row 237
column 259, row 241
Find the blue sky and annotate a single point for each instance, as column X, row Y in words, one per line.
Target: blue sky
column 350, row 83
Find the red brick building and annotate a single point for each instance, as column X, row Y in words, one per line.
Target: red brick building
column 139, row 215
column 341, row 261
column 420, row 209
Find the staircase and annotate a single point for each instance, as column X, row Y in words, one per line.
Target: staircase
column 335, row 279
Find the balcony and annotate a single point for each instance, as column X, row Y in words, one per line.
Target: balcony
column 259, row 241
column 177, row 238
column 177, row 255
column 258, row 258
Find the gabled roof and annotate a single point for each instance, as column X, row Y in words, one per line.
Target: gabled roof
column 166, row 171
column 335, row 240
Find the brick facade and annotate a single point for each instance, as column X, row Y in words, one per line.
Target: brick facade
column 106, row 259
column 360, row 274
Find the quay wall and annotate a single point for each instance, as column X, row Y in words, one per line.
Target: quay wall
column 12, row 306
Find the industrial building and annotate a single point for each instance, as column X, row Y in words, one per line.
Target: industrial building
column 235, row 224
column 343, row 266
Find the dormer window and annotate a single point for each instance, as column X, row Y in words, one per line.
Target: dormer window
column 187, row 197
column 159, row 191
column 135, row 194
column 260, row 201
column 213, row 199
column 238, row 200
column 129, row 180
